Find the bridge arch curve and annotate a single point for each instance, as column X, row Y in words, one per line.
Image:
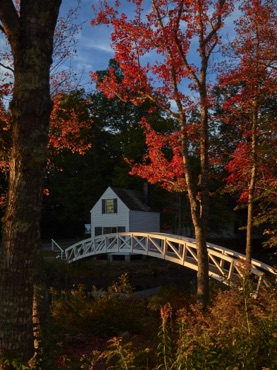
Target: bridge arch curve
column 225, row 265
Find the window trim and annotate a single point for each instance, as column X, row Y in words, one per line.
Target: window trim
column 106, row 206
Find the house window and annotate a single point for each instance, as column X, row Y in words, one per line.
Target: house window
column 108, row 230
column 109, row 205
column 98, row 231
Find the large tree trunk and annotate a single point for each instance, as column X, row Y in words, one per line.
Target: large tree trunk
column 31, row 39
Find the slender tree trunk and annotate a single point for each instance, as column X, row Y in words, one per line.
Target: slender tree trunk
column 199, row 213
column 252, row 187
column 203, row 268
column 31, row 37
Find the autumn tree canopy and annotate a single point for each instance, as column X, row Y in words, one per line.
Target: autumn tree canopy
column 181, row 37
column 251, row 73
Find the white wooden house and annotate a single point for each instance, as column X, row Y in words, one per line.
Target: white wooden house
column 123, row 210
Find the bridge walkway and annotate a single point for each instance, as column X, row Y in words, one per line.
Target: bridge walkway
column 225, row 265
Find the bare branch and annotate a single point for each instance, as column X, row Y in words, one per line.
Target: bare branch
column 9, row 19
column 6, row 67
column 2, row 29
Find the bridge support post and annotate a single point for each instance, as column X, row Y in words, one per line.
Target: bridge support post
column 127, row 257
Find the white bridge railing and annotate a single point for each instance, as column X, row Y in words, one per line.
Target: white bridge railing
column 56, row 248
column 225, row 265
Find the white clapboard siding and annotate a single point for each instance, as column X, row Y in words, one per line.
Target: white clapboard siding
column 144, row 221
column 98, row 219
column 131, row 220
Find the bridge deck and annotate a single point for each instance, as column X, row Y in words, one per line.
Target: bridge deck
column 225, row 265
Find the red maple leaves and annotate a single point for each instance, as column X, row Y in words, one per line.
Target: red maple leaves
column 173, row 78
column 70, row 126
column 163, row 163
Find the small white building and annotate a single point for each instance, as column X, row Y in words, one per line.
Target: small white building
column 123, row 210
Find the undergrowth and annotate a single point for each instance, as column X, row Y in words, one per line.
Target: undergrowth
column 237, row 331
column 169, row 331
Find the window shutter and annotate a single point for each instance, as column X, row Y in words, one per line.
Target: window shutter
column 103, row 205
column 115, row 205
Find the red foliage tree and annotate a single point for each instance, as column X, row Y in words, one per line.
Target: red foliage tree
column 159, row 166
column 70, row 124
column 254, row 75
column 173, row 32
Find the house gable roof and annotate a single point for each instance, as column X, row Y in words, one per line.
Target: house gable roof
column 132, row 199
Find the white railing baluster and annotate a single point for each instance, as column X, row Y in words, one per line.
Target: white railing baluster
column 55, row 245
column 174, row 248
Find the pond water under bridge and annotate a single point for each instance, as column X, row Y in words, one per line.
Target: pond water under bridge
column 225, row 265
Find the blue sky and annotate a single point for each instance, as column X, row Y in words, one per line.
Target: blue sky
column 93, row 46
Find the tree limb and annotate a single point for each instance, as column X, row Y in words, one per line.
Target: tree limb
column 2, row 29
column 6, row 67
column 9, row 19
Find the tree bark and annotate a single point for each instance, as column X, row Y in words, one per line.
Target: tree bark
column 199, row 213
column 252, row 184
column 30, row 34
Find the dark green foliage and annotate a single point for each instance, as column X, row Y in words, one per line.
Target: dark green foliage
column 236, row 331
column 103, row 314
column 93, row 329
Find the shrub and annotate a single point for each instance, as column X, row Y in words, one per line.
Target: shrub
column 106, row 314
column 237, row 331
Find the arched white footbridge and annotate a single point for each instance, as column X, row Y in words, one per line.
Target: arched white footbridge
column 225, row 265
